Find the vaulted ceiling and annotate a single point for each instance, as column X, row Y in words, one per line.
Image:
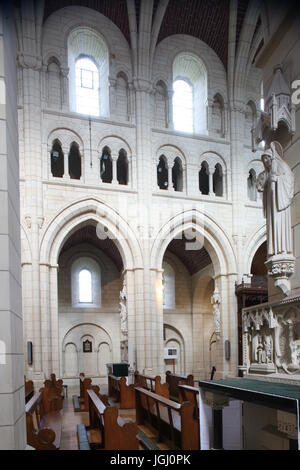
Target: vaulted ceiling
column 207, row 20
column 194, row 260
column 87, row 234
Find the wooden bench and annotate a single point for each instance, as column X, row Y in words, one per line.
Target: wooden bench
column 29, row 390
column 58, row 384
column 43, row 429
column 121, row 392
column 174, row 380
column 174, row 421
column 191, row 394
column 152, row 383
column 115, row 432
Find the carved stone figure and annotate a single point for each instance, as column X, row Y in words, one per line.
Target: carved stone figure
column 216, row 301
column 277, row 185
column 123, row 309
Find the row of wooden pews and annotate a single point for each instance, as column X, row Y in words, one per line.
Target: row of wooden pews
column 159, row 419
column 29, row 389
column 121, row 392
column 178, row 423
column 44, row 416
column 115, row 432
column 81, row 403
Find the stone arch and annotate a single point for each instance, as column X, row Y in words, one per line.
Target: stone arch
column 254, row 241
column 65, row 137
column 209, row 232
column 176, row 337
column 81, row 212
column 115, row 144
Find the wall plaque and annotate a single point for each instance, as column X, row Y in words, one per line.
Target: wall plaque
column 87, row 346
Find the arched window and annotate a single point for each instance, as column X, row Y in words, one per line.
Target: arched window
column 85, row 286
column 87, row 87
column 86, row 283
column 218, row 180
column 122, row 168
column 251, row 185
column 183, row 106
column 88, row 61
column 162, row 173
column 190, row 94
column 177, row 175
column 204, row 178
column 57, row 160
column 106, row 166
column 74, row 162
column 168, row 286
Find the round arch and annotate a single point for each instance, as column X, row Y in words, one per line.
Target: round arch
column 215, row 240
column 90, row 210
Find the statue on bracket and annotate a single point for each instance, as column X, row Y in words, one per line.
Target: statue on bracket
column 216, row 302
column 276, row 183
column 123, row 309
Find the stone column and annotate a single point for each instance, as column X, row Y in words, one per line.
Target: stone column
column 45, row 319
column 66, row 151
column 170, row 123
column 53, row 294
column 157, row 302
column 114, row 169
column 12, row 414
column 170, row 182
column 211, row 170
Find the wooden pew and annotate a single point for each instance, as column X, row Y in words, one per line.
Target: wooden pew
column 152, row 383
column 121, row 392
column 115, row 432
column 174, row 421
column 174, row 380
column 58, row 384
column 51, row 398
column 29, row 390
column 43, row 429
column 81, row 379
column 86, row 386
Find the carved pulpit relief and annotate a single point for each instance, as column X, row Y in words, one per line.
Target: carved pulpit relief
column 271, row 340
column 276, row 183
column 216, row 302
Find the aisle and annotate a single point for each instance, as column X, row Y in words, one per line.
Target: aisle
column 69, row 425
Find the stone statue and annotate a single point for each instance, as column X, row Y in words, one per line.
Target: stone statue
column 216, row 301
column 123, row 309
column 277, row 185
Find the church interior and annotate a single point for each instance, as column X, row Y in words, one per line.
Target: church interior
column 150, row 225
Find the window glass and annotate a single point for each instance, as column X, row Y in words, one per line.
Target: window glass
column 85, row 286
column 87, row 87
column 183, row 106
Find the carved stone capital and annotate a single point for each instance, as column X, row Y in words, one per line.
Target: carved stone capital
column 280, row 269
column 30, row 61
